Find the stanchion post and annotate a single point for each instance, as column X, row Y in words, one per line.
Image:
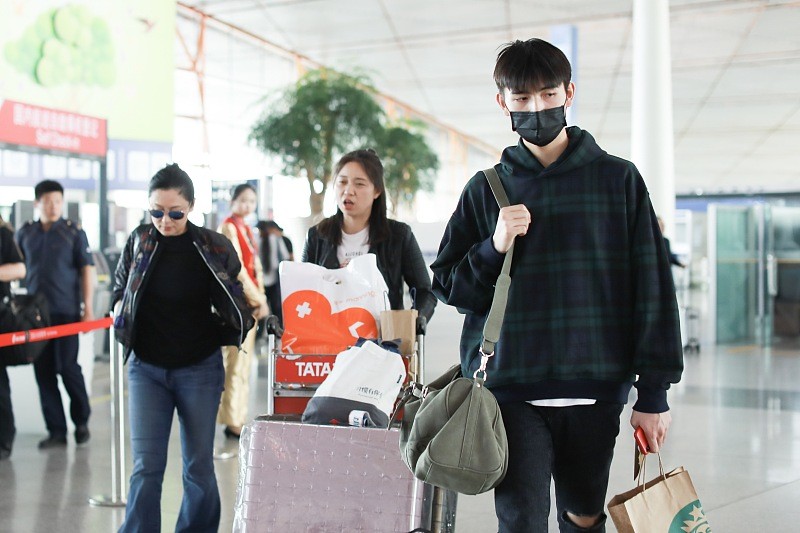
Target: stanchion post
column 118, row 478
column 420, row 359
column 271, row 359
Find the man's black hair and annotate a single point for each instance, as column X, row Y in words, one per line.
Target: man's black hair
column 524, row 66
column 46, row 186
column 173, row 177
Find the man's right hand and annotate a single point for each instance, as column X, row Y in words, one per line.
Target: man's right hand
column 654, row 425
column 512, row 221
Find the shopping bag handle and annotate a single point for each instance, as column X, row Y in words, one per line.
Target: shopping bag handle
column 640, row 482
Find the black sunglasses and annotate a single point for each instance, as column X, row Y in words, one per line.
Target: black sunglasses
column 174, row 215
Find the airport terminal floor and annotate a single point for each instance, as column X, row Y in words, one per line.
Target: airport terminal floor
column 736, row 428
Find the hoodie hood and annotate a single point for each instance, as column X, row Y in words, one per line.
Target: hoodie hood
column 581, row 151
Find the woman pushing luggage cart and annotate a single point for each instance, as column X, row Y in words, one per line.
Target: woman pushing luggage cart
column 341, row 468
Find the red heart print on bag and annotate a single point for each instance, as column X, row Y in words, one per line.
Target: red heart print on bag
column 311, row 328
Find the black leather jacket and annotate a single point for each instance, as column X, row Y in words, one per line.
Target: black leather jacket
column 227, row 299
column 399, row 259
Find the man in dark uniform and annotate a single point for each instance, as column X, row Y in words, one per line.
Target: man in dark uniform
column 60, row 266
column 12, row 267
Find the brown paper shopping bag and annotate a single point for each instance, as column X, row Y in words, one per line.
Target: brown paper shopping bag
column 401, row 325
column 666, row 504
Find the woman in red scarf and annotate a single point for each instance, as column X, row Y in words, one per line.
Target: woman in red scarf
column 233, row 406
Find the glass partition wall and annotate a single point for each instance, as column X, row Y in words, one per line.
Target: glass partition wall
column 786, row 231
column 754, row 255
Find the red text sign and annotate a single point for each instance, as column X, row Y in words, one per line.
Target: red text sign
column 51, row 129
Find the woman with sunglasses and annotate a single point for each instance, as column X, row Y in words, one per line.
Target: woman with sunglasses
column 177, row 300
column 233, row 407
column 360, row 226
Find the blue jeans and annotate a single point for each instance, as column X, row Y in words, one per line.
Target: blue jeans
column 573, row 446
column 154, row 394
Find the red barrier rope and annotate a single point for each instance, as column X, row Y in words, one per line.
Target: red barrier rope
column 53, row 332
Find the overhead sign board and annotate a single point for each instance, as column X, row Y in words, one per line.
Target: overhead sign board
column 51, row 129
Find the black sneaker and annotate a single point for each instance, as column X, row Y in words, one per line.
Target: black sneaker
column 82, row 435
column 53, row 441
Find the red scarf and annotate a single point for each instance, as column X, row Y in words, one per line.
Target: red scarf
column 246, row 243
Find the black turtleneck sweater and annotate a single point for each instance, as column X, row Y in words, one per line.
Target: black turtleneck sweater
column 174, row 321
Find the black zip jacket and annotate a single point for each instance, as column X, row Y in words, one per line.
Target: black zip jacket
column 227, row 298
column 399, row 259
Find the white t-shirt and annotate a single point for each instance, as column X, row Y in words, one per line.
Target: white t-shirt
column 352, row 246
column 562, row 402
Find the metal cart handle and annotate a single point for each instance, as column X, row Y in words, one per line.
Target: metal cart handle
column 274, row 326
column 422, row 325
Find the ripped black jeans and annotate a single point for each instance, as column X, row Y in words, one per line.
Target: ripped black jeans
column 573, row 446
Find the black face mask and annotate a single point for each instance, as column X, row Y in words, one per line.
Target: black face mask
column 539, row 127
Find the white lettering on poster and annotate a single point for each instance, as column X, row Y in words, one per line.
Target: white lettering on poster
column 56, row 140
column 60, row 121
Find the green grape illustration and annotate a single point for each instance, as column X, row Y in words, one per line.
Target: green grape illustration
column 66, row 45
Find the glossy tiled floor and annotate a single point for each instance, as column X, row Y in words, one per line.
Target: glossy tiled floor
column 736, row 428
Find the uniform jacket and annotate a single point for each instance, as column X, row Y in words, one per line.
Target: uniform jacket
column 399, row 259
column 141, row 253
column 54, row 261
column 592, row 302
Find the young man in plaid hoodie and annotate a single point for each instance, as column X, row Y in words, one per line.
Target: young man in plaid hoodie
column 591, row 309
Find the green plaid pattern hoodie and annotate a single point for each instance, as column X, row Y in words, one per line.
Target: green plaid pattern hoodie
column 592, row 301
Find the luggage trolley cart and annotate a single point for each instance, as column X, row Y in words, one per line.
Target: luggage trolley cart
column 296, row 476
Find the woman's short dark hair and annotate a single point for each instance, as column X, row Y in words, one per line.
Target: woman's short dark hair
column 46, row 186
column 173, row 177
column 531, row 65
column 331, row 227
column 266, row 225
column 239, row 189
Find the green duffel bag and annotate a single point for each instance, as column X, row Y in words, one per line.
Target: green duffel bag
column 452, row 434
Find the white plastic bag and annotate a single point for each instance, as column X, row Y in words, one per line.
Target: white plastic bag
column 327, row 310
column 360, row 390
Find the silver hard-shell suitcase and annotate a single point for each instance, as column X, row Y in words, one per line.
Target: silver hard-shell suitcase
column 297, row 477
column 305, row 477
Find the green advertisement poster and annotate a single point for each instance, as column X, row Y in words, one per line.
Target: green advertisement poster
column 111, row 59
